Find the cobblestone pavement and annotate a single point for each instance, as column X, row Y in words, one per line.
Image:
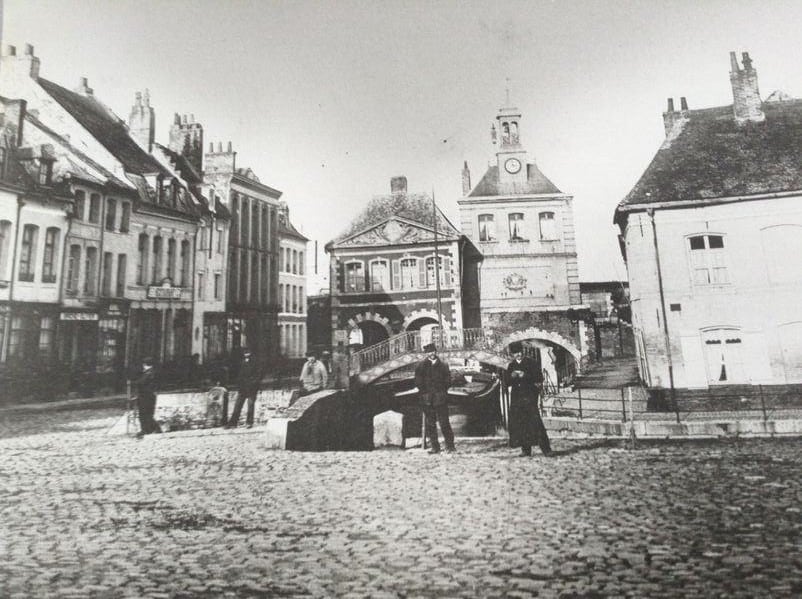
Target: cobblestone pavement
column 214, row 514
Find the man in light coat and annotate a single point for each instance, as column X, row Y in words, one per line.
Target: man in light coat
column 313, row 375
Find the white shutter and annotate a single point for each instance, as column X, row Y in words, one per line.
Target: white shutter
column 447, row 269
column 693, row 362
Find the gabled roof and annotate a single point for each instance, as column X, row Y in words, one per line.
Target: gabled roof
column 414, row 207
column 708, row 155
column 106, row 128
column 286, row 229
column 536, row 183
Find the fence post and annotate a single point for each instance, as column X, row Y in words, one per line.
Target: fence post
column 623, row 405
column 579, row 392
column 763, row 403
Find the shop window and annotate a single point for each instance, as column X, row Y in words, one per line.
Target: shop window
column 80, row 204
column 5, row 240
column 122, row 260
column 548, row 229
column 27, row 260
column 94, row 208
column 111, row 214
column 708, row 260
column 379, row 275
column 20, row 335
column 111, row 340
column 125, row 217
column 487, row 227
column 516, row 222
column 47, row 327
column 73, row 269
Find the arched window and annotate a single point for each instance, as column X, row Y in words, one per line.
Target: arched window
column 487, row 227
column 142, row 259
column 548, row 230
column 27, row 259
column 517, row 226
column 50, row 257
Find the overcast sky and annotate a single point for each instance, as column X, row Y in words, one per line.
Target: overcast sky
column 328, row 100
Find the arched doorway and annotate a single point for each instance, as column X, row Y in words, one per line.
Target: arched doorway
column 367, row 333
column 557, row 363
column 427, row 326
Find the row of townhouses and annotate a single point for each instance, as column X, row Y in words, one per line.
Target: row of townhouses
column 114, row 247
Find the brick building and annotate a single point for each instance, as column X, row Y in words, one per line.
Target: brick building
column 712, row 234
column 523, row 225
column 384, row 276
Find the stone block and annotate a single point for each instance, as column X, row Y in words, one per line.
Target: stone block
column 388, row 429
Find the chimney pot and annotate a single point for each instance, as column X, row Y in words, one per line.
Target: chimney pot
column 398, row 184
column 211, row 146
column 184, row 119
column 734, row 63
column 12, row 50
column 229, row 147
column 683, row 103
column 28, row 50
column 220, row 146
column 670, row 105
column 746, row 60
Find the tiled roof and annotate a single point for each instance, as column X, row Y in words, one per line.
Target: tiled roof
column 109, row 130
column 536, row 183
column 710, row 156
column 416, row 207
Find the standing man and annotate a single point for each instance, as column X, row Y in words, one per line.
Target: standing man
column 146, row 399
column 249, row 378
column 525, row 424
column 433, row 378
column 313, row 375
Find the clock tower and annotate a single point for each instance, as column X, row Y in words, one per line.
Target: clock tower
column 511, row 156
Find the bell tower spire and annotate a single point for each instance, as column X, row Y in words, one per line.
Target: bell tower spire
column 511, row 155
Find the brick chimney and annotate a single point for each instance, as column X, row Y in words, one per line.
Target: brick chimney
column 220, row 162
column 746, row 104
column 28, row 63
column 672, row 116
column 83, row 87
column 398, row 184
column 186, row 138
column 142, row 121
column 466, row 179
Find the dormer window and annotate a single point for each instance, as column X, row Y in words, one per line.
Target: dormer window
column 45, row 172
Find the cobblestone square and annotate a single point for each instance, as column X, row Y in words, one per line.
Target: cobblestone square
column 213, row 514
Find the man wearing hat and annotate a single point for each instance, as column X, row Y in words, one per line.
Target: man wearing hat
column 248, row 380
column 525, row 424
column 146, row 399
column 433, row 378
column 313, row 375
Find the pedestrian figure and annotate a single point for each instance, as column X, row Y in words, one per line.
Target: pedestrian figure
column 248, row 380
column 313, row 375
column 525, row 424
column 146, row 399
column 216, row 405
column 433, row 378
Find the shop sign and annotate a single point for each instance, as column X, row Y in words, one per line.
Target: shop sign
column 164, row 292
column 78, row 316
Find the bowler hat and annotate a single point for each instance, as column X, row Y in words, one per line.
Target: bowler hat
column 429, row 348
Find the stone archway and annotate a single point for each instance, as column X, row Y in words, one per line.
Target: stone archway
column 423, row 313
column 354, row 322
column 540, row 334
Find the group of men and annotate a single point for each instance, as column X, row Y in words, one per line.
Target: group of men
column 524, row 378
column 432, row 377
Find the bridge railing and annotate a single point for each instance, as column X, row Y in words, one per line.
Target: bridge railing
column 413, row 342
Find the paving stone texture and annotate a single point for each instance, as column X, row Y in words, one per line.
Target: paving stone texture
column 213, row 514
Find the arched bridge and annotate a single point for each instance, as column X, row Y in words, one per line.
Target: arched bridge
column 373, row 362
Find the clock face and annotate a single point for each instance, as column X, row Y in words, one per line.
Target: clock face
column 513, row 165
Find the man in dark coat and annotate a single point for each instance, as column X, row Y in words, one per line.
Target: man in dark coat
column 525, row 424
column 146, row 399
column 433, row 378
column 248, row 380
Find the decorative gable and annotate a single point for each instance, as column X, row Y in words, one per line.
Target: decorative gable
column 393, row 231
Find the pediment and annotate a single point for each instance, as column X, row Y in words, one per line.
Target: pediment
column 393, row 231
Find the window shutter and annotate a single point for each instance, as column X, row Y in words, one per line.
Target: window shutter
column 447, row 269
column 396, row 274
column 422, row 273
